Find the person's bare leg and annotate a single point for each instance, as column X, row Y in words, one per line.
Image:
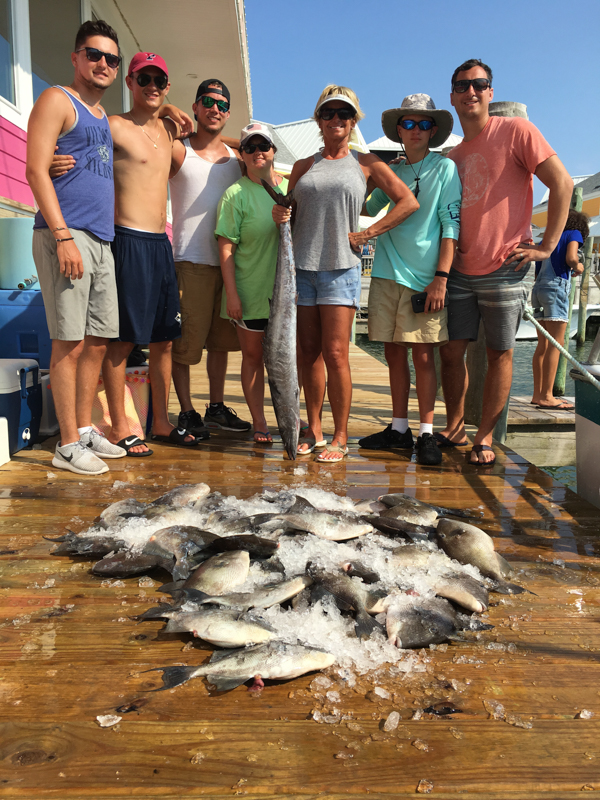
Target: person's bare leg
column 550, row 364
column 336, row 326
column 113, row 372
column 181, row 381
column 455, row 381
column 313, row 370
column 496, row 390
column 426, row 380
column 537, row 364
column 63, row 377
column 216, row 367
column 160, row 383
column 396, row 356
column 253, row 380
column 88, row 371
column 303, row 425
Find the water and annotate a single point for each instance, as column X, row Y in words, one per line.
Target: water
column 522, row 384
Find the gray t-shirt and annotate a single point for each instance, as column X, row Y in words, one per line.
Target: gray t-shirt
column 329, row 200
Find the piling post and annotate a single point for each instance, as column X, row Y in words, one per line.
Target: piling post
column 558, row 389
column 584, row 287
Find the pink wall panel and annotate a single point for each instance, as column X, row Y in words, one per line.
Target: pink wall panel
column 13, row 145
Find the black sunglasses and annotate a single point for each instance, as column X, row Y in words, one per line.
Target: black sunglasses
column 343, row 113
column 409, row 124
column 479, row 84
column 145, row 79
column 208, row 102
column 264, row 147
column 93, row 54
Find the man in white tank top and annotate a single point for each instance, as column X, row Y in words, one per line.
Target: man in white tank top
column 202, row 168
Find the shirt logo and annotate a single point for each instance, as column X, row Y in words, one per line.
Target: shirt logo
column 104, row 153
column 475, row 177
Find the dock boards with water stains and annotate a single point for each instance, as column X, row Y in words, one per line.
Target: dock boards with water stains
column 69, row 651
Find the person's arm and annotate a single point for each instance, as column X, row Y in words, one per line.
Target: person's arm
column 386, row 180
column 231, row 142
column 226, row 253
column 184, row 123
column 572, row 258
column 436, row 291
column 46, row 122
column 280, row 213
column 448, row 211
column 552, row 174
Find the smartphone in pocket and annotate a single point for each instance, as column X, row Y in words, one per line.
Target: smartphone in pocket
column 418, row 302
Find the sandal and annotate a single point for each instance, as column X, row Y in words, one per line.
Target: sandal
column 564, row 406
column 479, row 448
column 177, row 437
column 267, row 440
column 134, row 441
column 444, row 441
column 312, row 443
column 339, row 449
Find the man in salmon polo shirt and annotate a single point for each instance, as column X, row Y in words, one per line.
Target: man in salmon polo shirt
column 496, row 161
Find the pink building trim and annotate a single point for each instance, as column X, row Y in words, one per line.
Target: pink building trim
column 13, row 145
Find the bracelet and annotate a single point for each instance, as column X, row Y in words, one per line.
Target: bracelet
column 68, row 239
column 59, row 229
column 440, row 274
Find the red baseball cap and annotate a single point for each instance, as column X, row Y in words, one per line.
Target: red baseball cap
column 141, row 60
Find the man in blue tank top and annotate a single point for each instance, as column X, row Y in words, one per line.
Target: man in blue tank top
column 71, row 243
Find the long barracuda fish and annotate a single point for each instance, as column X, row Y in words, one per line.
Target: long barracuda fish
column 279, row 344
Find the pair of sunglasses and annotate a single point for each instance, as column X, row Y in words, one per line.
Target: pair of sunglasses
column 479, row 84
column 208, row 102
column 343, row 113
column 264, row 147
column 145, row 79
column 93, row 54
column 410, row 124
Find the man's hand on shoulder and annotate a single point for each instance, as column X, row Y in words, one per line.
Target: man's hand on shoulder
column 184, row 123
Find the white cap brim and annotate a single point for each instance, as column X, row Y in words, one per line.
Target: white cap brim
column 342, row 97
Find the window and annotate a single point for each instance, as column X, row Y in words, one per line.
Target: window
column 7, row 81
column 53, row 27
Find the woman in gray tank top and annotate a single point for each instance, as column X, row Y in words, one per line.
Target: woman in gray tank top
column 330, row 189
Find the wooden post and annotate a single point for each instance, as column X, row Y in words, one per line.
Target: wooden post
column 558, row 389
column 584, row 287
column 476, row 352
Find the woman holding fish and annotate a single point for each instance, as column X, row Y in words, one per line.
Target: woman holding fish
column 329, row 189
column 248, row 241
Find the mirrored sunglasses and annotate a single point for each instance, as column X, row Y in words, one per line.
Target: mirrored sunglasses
column 479, row 84
column 208, row 102
column 145, row 79
column 93, row 54
column 343, row 113
column 410, row 124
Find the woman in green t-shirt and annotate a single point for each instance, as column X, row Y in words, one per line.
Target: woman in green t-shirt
column 248, row 240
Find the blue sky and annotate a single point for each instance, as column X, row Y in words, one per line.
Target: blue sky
column 544, row 54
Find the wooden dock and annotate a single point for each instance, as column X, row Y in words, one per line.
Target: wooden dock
column 70, row 652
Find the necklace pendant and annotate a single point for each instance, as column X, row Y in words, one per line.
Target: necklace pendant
column 416, row 192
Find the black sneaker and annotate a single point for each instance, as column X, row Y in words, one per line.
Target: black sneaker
column 226, row 419
column 191, row 421
column 428, row 452
column 387, row 439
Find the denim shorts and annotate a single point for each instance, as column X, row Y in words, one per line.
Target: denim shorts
column 330, row 287
column 550, row 295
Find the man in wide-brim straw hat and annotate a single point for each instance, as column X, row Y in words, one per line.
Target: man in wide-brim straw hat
column 412, row 259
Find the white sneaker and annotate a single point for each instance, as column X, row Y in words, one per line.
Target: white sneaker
column 78, row 458
column 99, row 444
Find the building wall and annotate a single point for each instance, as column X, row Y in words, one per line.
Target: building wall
column 13, row 144
column 591, row 207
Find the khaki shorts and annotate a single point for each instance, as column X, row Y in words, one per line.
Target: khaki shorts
column 392, row 319
column 200, row 291
column 77, row 308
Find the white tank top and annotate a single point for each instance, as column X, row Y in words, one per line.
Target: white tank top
column 195, row 194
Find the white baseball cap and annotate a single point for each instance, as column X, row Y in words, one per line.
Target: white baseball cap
column 255, row 129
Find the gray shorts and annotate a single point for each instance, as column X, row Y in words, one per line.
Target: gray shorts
column 498, row 299
column 77, row 308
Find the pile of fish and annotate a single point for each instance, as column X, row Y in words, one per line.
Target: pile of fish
column 293, row 581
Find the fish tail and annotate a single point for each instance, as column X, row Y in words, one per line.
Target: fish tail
column 171, row 588
column 365, row 625
column 194, row 595
column 174, row 676
column 154, row 613
column 503, row 587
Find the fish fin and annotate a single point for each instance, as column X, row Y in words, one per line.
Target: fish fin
column 505, row 567
column 366, row 626
column 503, row 587
column 472, row 623
column 182, row 569
column 300, row 505
column 174, row 676
column 194, row 596
column 170, row 588
column 224, row 683
column 175, row 626
column 155, row 613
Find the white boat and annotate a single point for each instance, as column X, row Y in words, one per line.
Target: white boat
column 527, row 329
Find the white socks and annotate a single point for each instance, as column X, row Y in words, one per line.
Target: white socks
column 400, row 424
column 87, row 429
column 425, row 427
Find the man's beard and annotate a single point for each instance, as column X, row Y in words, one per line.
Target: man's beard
column 92, row 83
column 210, row 130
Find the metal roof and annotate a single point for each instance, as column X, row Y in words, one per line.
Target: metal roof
column 589, row 183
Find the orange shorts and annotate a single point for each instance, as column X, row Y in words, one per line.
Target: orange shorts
column 200, row 290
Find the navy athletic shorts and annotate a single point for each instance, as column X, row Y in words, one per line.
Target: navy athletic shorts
column 147, row 287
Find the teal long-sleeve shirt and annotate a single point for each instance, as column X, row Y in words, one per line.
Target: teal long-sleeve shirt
column 409, row 253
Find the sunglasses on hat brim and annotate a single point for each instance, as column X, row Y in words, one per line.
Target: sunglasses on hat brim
column 479, row 84
column 93, row 54
column 410, row 124
column 145, row 79
column 343, row 113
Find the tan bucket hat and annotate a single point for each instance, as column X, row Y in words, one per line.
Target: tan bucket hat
column 418, row 104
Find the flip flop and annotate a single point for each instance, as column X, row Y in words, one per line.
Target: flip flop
column 133, row 441
column 268, row 440
column 176, row 437
column 312, row 443
column 340, row 450
column 560, row 407
column 444, row 441
column 479, row 448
